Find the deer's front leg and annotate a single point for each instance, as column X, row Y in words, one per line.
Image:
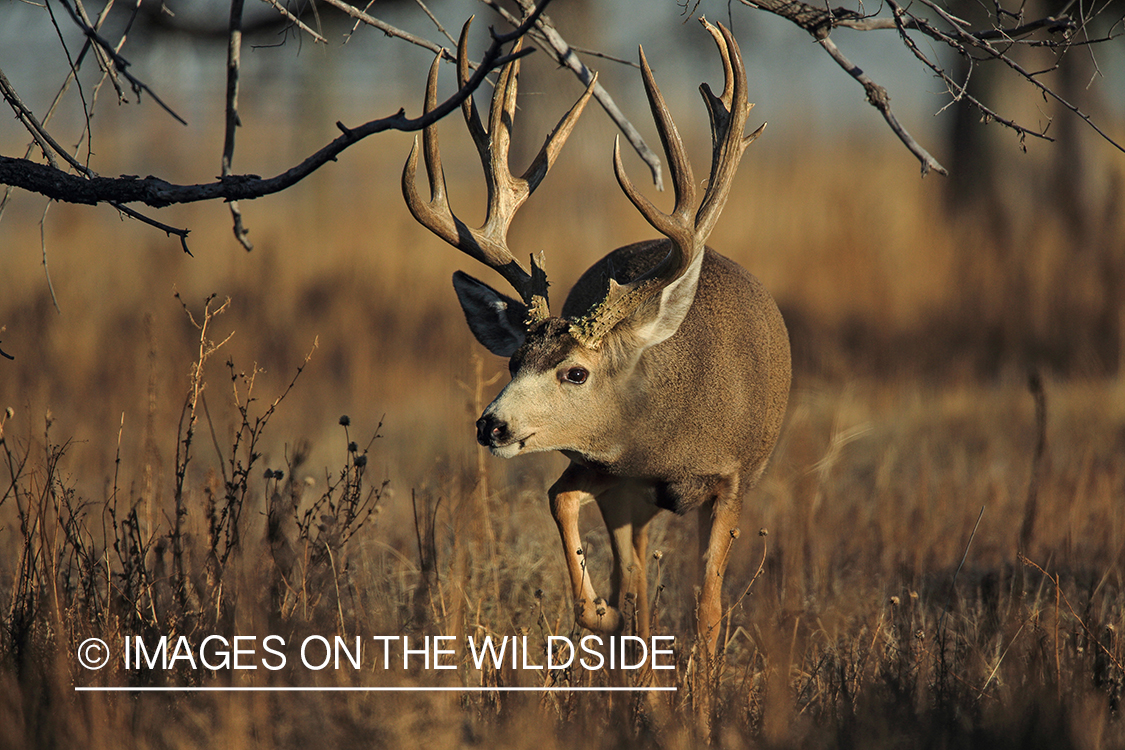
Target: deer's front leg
column 626, row 512
column 578, row 485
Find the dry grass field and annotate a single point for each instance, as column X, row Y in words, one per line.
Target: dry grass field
column 944, row 517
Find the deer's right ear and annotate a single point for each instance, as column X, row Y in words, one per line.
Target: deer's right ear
column 495, row 319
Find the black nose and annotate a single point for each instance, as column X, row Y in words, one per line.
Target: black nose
column 491, row 430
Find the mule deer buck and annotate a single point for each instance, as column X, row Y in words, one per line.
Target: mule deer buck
column 666, row 377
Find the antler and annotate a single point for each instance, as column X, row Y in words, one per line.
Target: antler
column 506, row 193
column 728, row 113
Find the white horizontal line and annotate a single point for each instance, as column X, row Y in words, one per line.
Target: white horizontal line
column 361, row 689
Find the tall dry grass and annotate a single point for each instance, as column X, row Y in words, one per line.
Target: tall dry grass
column 884, row 614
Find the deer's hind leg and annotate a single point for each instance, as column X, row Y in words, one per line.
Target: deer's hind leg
column 718, row 527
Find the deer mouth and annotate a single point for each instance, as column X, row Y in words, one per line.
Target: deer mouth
column 511, row 447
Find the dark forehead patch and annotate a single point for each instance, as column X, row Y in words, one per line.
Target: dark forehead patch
column 547, row 344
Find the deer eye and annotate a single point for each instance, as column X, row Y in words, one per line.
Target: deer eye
column 576, row 375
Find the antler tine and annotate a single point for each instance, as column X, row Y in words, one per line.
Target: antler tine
column 506, row 193
column 728, row 114
column 677, row 225
column 472, row 120
column 434, row 215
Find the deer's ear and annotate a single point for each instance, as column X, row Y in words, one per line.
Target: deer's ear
column 659, row 319
column 495, row 319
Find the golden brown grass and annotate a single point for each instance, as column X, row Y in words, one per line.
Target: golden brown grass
column 910, row 413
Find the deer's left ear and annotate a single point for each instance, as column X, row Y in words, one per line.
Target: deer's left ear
column 495, row 319
column 659, row 319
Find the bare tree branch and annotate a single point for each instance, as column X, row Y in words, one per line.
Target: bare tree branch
column 985, row 46
column 547, row 37
column 961, row 39
column 818, row 22
column 1053, row 24
column 48, row 144
column 959, row 92
column 104, row 62
column 120, row 62
column 24, row 115
column 38, row 129
column 878, row 97
column 89, row 188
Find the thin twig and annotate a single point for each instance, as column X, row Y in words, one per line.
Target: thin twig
column 106, row 65
column 120, row 62
column 168, row 230
column 43, row 248
column 234, row 63
column 104, row 61
column 953, row 584
column 819, row 21
column 605, row 56
column 355, row 26
column 436, row 22
column 761, row 568
column 390, row 30
column 72, row 64
column 292, row 19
